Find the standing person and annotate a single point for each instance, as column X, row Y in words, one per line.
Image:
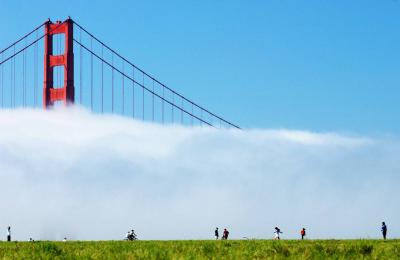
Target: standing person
column 9, row 234
column 303, row 233
column 225, row 234
column 277, row 232
column 384, row 230
column 216, row 233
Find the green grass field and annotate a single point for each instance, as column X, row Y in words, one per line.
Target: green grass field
column 233, row 249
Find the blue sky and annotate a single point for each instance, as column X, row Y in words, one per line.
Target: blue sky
column 315, row 65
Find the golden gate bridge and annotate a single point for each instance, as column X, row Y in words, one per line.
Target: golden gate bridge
column 79, row 68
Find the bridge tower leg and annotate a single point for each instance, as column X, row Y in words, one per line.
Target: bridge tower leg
column 63, row 93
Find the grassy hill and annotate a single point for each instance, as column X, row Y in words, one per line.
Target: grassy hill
column 231, row 249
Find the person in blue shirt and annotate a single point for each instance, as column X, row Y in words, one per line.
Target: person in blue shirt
column 384, row 230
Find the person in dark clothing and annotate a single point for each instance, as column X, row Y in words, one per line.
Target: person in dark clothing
column 277, row 233
column 303, row 233
column 216, row 234
column 9, row 234
column 225, row 234
column 384, row 230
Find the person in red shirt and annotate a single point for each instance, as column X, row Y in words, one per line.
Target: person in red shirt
column 303, row 233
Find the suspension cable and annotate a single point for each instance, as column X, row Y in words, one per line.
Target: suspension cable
column 151, row 77
column 142, row 85
column 23, row 37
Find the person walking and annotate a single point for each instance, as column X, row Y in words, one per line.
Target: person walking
column 384, row 230
column 225, row 234
column 303, row 233
column 216, row 233
column 277, row 233
column 9, row 234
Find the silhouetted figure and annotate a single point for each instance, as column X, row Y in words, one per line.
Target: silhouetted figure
column 277, row 232
column 216, row 233
column 303, row 233
column 384, row 230
column 225, row 234
column 9, row 234
column 130, row 235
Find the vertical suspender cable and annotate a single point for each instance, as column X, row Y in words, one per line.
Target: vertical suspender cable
column 172, row 107
column 35, row 85
column 112, row 83
column 123, row 87
column 91, row 73
column 11, row 81
column 182, row 111
column 102, row 78
column 153, row 101
column 80, row 69
column 162, row 104
column 133, row 92
column 23, row 77
column 201, row 117
column 191, row 116
column 143, row 96
column 14, row 79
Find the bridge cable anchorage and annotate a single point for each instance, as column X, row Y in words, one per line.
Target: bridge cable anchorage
column 142, row 86
column 151, row 77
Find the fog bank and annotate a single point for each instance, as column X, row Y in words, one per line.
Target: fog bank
column 84, row 176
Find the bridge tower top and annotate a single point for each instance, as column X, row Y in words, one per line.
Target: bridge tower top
column 64, row 93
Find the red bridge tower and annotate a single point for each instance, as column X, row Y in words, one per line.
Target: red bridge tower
column 53, row 93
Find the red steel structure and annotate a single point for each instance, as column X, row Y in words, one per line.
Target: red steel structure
column 63, row 93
